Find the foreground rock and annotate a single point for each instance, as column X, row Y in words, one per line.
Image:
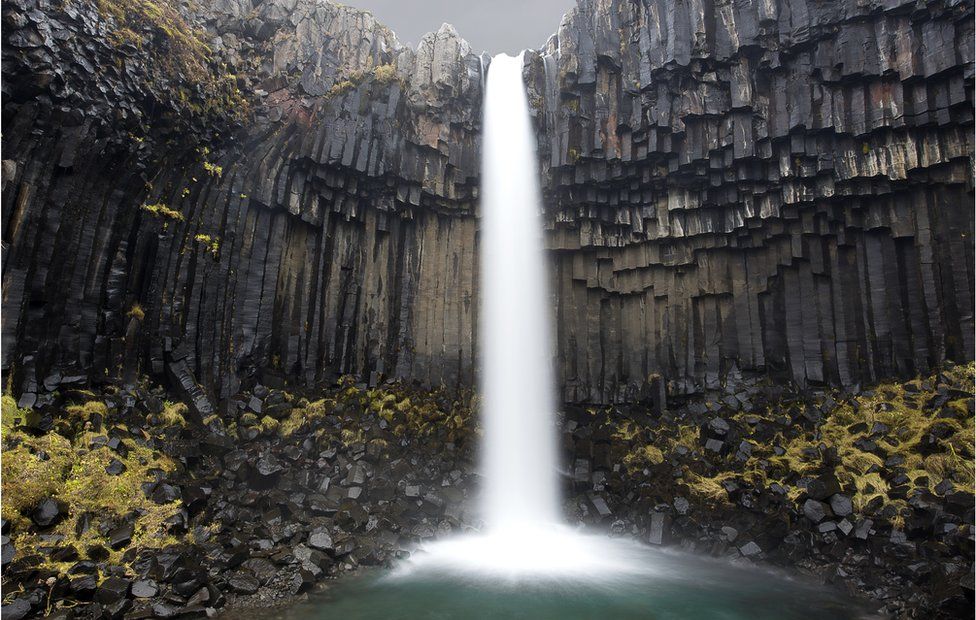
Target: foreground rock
column 865, row 494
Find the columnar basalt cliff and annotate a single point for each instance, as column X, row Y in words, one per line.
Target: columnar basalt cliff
column 782, row 188
column 332, row 234
column 777, row 186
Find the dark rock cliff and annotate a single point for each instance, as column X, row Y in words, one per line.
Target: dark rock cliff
column 775, row 187
column 784, row 186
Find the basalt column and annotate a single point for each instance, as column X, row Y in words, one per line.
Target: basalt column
column 776, row 187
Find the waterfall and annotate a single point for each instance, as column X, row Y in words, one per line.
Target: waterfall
column 524, row 536
column 518, row 451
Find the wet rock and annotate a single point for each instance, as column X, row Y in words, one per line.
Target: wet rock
column 823, row 487
column 84, row 587
column 841, row 505
column 48, row 513
column 17, row 609
column 112, row 591
column 681, row 505
column 7, row 550
column 121, row 536
column 657, row 533
column 243, row 583
column 115, row 468
column 718, row 427
column 600, row 505
column 714, row 445
column 144, row 588
column 268, row 465
column 320, row 539
column 815, row 511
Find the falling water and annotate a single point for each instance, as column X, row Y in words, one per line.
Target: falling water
column 519, row 459
column 523, row 535
column 526, row 562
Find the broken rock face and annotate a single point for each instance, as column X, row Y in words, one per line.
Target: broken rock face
column 746, row 189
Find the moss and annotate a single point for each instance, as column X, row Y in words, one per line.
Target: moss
column 214, row 170
column 420, row 414
column 933, row 443
column 173, row 414
column 161, row 210
column 210, row 243
column 708, row 489
column 385, row 74
column 349, row 436
column 299, row 416
column 180, row 54
column 136, row 312
column 33, row 470
column 80, row 415
column 340, row 88
column 380, row 74
column 642, row 457
column 268, row 424
column 12, row 416
column 52, row 466
column 573, row 155
column 848, row 426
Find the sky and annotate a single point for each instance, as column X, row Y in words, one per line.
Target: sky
column 488, row 25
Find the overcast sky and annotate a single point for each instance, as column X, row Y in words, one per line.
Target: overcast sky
column 488, row 25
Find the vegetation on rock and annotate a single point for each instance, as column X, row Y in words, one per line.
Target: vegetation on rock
column 72, row 493
column 183, row 71
column 881, row 446
column 380, row 74
column 164, row 211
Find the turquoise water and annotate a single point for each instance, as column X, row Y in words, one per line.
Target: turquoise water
column 675, row 587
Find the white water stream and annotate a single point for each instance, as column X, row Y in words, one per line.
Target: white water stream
column 519, row 454
column 524, row 535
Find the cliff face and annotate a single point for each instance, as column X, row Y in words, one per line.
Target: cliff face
column 331, row 234
column 784, row 186
column 755, row 186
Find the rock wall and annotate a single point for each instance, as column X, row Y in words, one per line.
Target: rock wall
column 752, row 186
column 332, row 234
column 784, row 187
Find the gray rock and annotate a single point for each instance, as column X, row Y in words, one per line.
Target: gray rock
column 815, row 511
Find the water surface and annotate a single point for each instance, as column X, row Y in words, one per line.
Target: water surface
column 671, row 586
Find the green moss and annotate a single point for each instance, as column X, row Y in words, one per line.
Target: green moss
column 214, row 170
column 268, row 424
column 173, row 414
column 420, row 414
column 380, row 74
column 52, row 466
column 33, row 470
column 13, row 417
column 643, row 457
column 80, row 415
column 180, row 55
column 385, row 74
column 136, row 312
column 340, row 88
column 210, row 243
column 299, row 416
column 163, row 211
